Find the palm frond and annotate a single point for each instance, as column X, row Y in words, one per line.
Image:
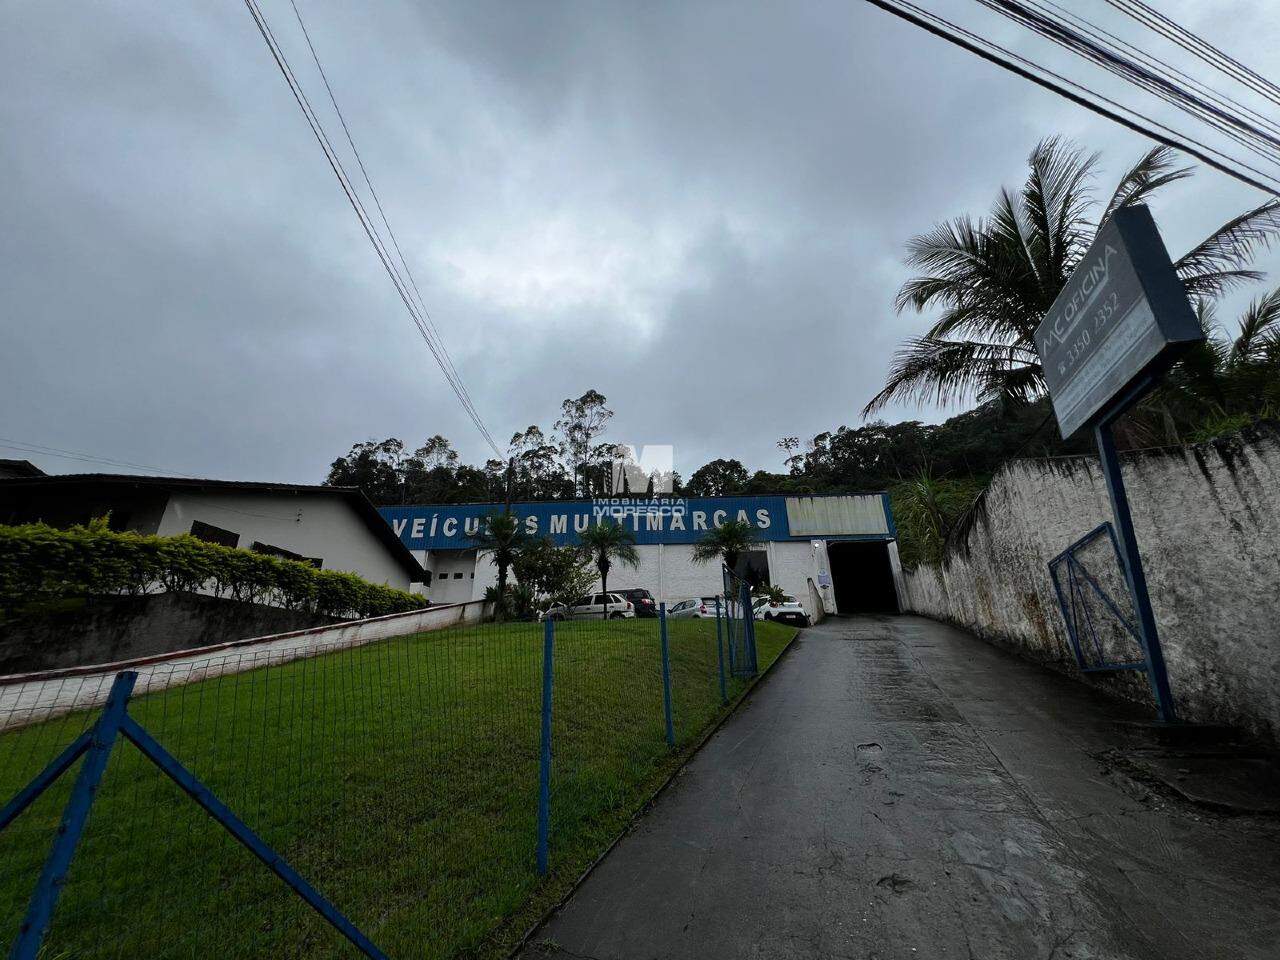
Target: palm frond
column 1056, row 200
column 1157, row 168
column 930, row 370
column 1221, row 260
column 1260, row 323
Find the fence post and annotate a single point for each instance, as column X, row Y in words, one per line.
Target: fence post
column 666, row 675
column 720, row 655
column 26, row 946
column 748, row 630
column 544, row 763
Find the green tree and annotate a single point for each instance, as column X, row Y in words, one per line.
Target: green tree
column 1225, row 382
column 581, row 421
column 926, row 510
column 729, row 541
column 718, row 478
column 607, row 542
column 554, row 574
column 501, row 535
column 373, row 467
column 995, row 277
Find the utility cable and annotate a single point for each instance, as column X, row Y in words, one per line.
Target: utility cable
column 1102, row 105
column 366, row 221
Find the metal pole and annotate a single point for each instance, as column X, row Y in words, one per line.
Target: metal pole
column 544, row 763
column 666, row 675
column 724, row 698
column 1136, row 579
column 44, row 899
column 748, row 629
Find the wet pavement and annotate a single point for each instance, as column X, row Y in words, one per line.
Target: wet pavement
column 899, row 789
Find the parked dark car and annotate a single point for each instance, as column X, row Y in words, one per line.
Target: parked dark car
column 646, row 606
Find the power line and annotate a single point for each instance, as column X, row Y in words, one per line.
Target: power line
column 362, row 214
column 1153, row 79
column 60, row 453
column 366, row 221
column 1198, row 47
column 1042, row 76
column 1099, row 33
column 466, row 396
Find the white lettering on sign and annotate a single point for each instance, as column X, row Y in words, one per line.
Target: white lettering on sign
column 399, row 525
column 762, row 519
column 699, row 520
column 717, row 518
column 677, row 521
column 559, row 523
column 530, row 524
column 1095, row 278
column 418, row 524
column 653, row 521
column 450, row 526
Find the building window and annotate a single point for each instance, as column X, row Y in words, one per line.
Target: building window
column 458, row 575
column 283, row 554
column 211, row 534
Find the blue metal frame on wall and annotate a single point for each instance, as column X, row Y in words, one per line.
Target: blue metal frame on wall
column 1073, row 583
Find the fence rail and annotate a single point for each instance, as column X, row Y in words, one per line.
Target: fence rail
column 426, row 787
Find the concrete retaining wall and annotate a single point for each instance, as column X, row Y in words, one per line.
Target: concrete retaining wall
column 34, row 697
column 1208, row 526
column 103, row 629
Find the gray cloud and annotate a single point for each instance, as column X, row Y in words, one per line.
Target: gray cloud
column 697, row 208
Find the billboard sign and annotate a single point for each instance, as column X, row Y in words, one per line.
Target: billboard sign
column 1123, row 314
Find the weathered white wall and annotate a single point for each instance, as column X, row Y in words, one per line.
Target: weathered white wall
column 315, row 526
column 1208, row 526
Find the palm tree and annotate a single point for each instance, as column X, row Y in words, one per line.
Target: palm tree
column 729, row 540
column 1224, row 382
column 995, row 277
column 503, row 535
column 608, row 541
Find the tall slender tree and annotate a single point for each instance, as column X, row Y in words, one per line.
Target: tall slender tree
column 608, row 542
column 501, row 535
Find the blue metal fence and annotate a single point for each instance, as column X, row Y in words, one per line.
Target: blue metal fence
column 317, row 801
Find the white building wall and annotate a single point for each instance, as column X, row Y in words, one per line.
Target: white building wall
column 453, row 577
column 313, row 525
column 666, row 570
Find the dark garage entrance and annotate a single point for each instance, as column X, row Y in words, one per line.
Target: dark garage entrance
column 862, row 577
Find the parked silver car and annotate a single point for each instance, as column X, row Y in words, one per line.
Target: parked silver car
column 595, row 606
column 697, row 607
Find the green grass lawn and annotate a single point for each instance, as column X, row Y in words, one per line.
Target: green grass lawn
column 399, row 778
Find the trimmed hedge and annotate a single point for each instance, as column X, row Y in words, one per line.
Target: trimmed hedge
column 39, row 562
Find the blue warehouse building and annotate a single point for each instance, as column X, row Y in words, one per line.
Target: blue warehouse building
column 836, row 553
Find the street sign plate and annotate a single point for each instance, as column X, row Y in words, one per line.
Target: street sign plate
column 1123, row 314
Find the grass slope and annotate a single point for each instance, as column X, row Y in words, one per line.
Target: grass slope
column 399, row 778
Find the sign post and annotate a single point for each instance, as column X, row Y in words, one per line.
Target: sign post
column 1118, row 324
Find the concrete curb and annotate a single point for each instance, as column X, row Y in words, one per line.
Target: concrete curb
column 688, row 754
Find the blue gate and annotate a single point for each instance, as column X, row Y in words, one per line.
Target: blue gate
column 1096, row 603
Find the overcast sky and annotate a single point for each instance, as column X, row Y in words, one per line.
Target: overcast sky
column 696, row 208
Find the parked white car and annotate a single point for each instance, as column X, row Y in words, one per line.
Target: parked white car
column 697, row 607
column 790, row 610
column 594, row 606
